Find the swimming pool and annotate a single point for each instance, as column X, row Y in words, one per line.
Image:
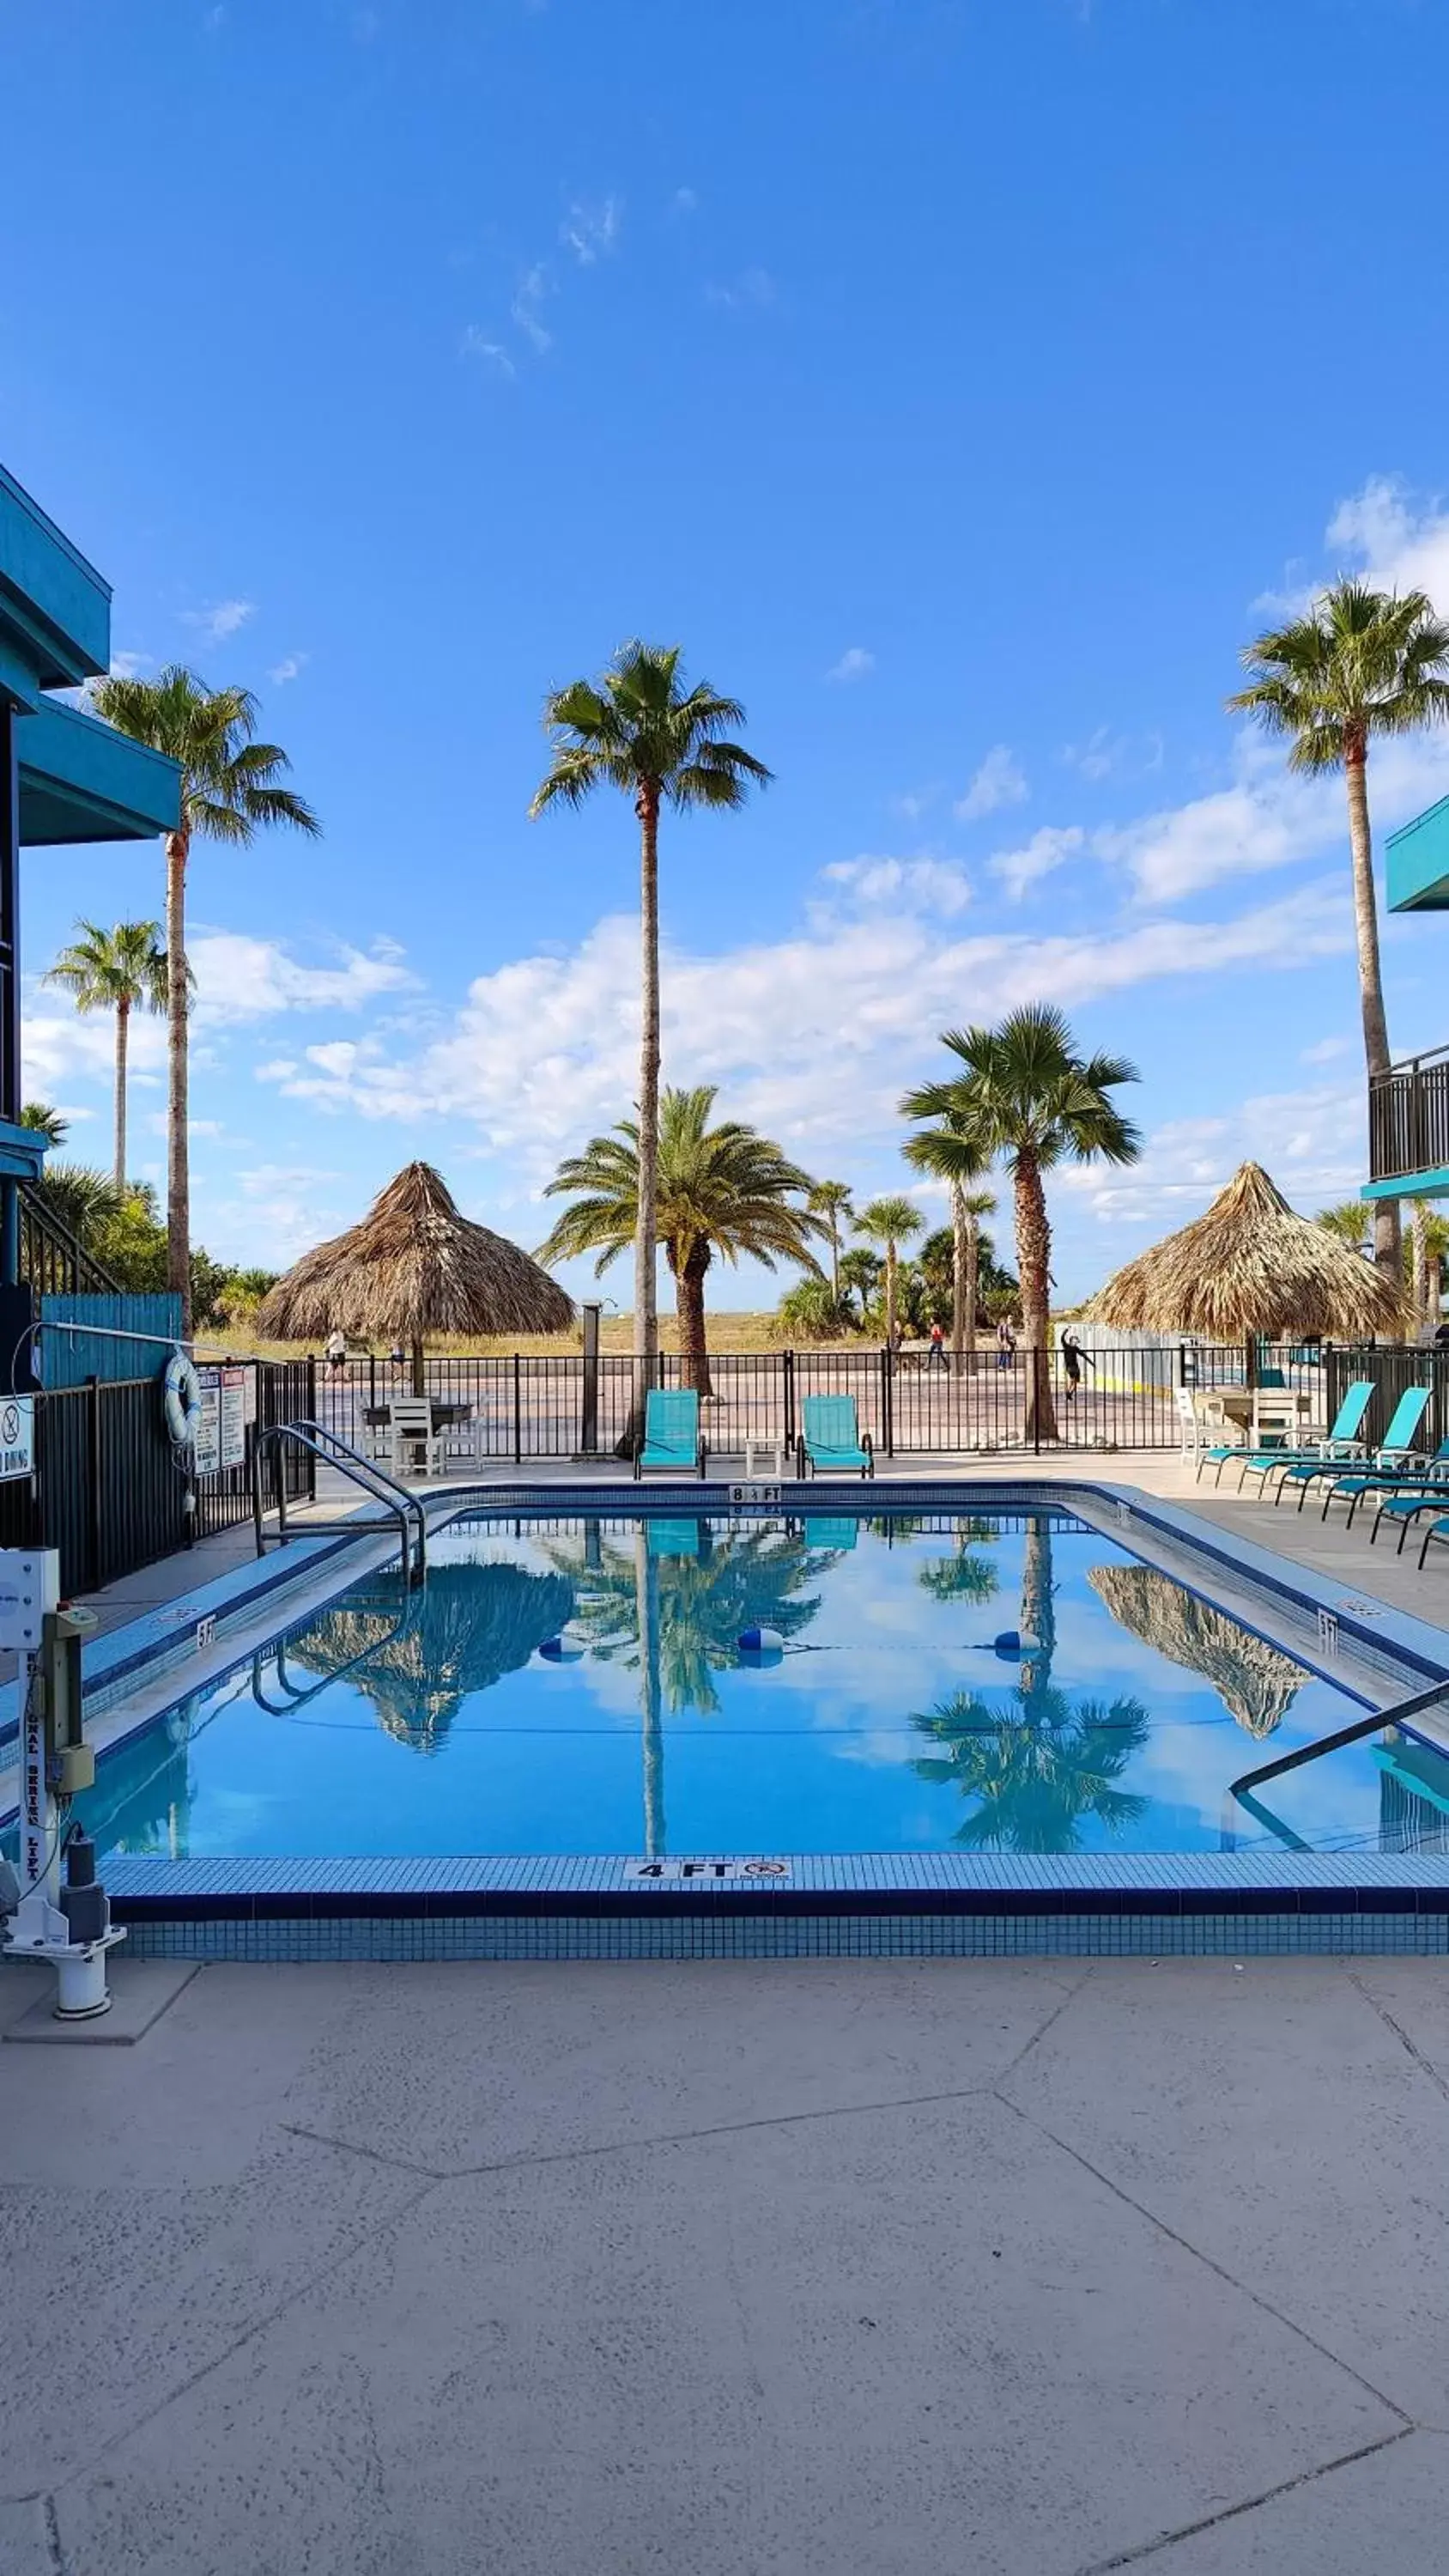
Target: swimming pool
column 574, row 1687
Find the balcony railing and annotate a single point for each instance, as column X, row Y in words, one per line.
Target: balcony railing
column 1409, row 1118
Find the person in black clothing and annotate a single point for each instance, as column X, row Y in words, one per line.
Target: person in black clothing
column 1074, row 1359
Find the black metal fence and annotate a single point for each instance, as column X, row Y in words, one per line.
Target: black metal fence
column 1409, row 1117
column 108, row 1490
column 913, row 1403
column 1394, row 1368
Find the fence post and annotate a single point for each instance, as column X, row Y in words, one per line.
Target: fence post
column 311, row 1416
column 589, row 1416
column 517, row 1408
column 887, row 1399
column 1035, row 1396
column 96, row 1519
column 789, row 1375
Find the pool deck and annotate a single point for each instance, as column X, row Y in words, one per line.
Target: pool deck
column 1032, row 2268
column 1018, row 2267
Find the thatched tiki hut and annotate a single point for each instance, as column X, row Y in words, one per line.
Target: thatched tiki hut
column 1250, row 1265
column 414, row 1267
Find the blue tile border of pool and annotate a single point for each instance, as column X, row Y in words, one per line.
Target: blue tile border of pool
column 853, row 1904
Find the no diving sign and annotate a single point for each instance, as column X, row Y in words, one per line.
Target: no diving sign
column 17, row 1437
column 655, row 1873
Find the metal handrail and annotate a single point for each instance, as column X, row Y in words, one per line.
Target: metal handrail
column 1371, row 1725
column 1411, row 1063
column 299, row 1696
column 335, row 1452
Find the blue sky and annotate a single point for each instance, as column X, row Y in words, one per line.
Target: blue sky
column 961, row 383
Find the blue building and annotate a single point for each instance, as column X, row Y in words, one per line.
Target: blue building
column 64, row 777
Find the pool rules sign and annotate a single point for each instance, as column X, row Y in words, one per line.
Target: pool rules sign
column 221, row 1432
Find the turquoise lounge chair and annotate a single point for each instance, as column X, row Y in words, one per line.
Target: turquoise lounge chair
column 831, row 1441
column 672, row 1441
column 1389, row 1464
column 1402, row 1497
column 1341, row 1441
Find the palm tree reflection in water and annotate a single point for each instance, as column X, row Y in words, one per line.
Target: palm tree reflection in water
column 1042, row 1763
column 672, row 1605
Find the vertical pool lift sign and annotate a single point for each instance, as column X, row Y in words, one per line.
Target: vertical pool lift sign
column 17, row 1437
column 221, row 1438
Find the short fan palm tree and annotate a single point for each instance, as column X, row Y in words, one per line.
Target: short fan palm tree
column 951, row 1152
column 1362, row 662
column 231, row 788
column 723, row 1189
column 42, row 1120
column 831, row 1200
column 1428, row 1245
column 1025, row 1094
column 640, row 730
column 1349, row 1222
column 860, row 1270
column 890, row 1221
column 116, row 970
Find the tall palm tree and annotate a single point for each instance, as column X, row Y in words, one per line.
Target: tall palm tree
column 1028, row 1095
column 1349, row 1222
column 890, row 1222
column 230, row 790
column 115, row 970
column 1362, row 662
column 831, row 1200
column 639, row 729
column 950, row 1151
column 723, row 1189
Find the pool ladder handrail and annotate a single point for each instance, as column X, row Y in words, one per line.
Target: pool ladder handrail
column 1373, row 1724
column 373, row 1480
column 300, row 1693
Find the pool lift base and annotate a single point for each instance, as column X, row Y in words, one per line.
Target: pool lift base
column 68, row 1928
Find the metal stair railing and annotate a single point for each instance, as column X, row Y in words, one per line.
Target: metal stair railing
column 373, row 1480
column 1242, row 1788
column 299, row 1693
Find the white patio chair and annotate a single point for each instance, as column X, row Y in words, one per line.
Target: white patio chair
column 417, row 1449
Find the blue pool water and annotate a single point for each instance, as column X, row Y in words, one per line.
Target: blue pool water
column 887, row 1724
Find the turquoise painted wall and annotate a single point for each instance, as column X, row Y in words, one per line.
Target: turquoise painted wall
column 68, row 1359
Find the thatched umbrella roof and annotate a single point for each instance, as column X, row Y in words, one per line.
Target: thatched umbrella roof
column 1255, row 1683
column 470, row 1625
column 412, row 1268
column 1250, row 1265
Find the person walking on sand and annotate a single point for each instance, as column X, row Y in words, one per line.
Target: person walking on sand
column 335, row 1352
column 1005, row 1343
column 936, row 1356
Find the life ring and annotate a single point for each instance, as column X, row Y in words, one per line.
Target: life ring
column 181, row 1388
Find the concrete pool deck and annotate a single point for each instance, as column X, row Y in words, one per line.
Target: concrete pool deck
column 1031, row 2268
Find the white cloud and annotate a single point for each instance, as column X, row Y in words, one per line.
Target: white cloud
column 814, row 1036
column 999, row 781
column 590, row 231
column 1047, row 849
column 925, row 885
column 475, row 343
column 1105, row 754
column 129, row 666
column 533, row 286
column 1314, row 1143
column 1399, row 544
column 290, row 667
column 1326, row 1051
column 60, row 1044
column 855, row 663
column 223, row 618
column 753, row 289
column 241, row 978
column 1269, row 817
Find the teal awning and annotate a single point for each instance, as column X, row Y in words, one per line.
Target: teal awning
column 1416, row 862
column 82, row 781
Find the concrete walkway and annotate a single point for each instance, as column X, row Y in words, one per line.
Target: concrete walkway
column 800, row 2269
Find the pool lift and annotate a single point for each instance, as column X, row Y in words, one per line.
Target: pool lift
column 68, row 1926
